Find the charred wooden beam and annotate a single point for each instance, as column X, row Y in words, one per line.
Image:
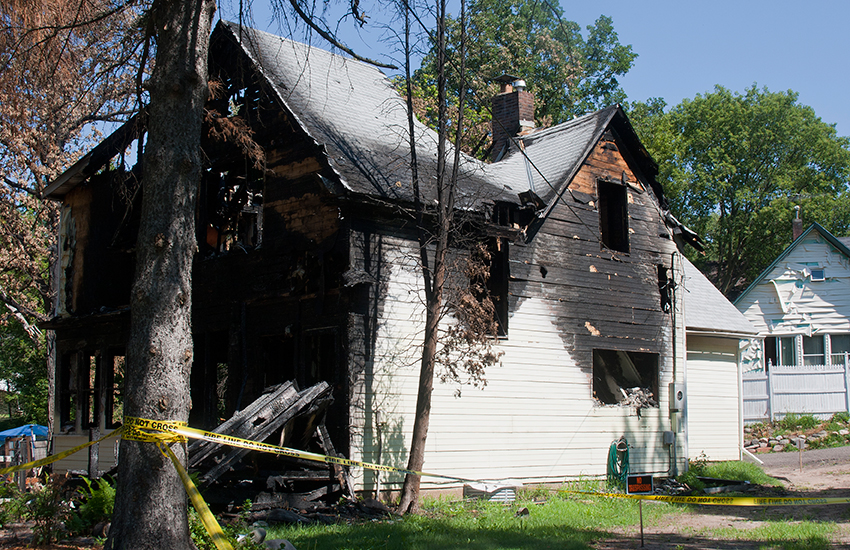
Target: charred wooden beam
column 258, row 427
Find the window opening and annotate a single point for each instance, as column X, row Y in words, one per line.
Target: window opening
column 781, row 350
column 839, row 344
column 613, row 215
column 232, row 211
column 319, row 357
column 497, row 282
column 118, row 363
column 91, row 393
column 813, row 350
column 665, row 288
column 626, row 378
column 817, row 275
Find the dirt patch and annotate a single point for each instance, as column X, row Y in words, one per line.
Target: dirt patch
column 17, row 536
column 696, row 528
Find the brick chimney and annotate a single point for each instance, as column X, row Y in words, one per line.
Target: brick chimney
column 513, row 114
column 796, row 224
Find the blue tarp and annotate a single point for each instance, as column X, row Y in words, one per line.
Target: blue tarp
column 26, row 429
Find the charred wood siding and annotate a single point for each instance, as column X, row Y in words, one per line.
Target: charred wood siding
column 600, row 298
column 96, row 270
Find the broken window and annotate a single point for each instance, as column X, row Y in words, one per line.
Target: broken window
column 230, row 216
column 613, row 215
column 231, row 211
column 665, row 288
column 91, row 391
column 625, row 377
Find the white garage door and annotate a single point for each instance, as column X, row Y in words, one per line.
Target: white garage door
column 713, row 398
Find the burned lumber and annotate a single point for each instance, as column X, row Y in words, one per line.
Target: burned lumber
column 273, row 401
column 271, row 412
column 341, row 473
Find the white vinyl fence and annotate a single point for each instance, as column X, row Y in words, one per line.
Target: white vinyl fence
column 819, row 390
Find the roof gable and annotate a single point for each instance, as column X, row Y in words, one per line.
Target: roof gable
column 828, row 237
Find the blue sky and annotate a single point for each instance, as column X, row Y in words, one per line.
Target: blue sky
column 685, row 47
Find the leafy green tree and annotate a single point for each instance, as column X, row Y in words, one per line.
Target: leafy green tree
column 734, row 165
column 22, row 369
column 568, row 74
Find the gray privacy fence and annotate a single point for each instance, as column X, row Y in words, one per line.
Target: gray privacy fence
column 819, row 390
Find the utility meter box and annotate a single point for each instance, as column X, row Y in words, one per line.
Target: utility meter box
column 677, row 397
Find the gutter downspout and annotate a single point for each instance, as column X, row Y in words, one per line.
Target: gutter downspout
column 739, row 361
column 682, row 417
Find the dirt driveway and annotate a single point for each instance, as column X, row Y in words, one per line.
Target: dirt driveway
column 825, row 473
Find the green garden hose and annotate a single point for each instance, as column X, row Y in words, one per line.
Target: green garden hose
column 618, row 462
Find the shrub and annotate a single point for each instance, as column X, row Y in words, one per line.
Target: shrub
column 793, row 421
column 48, row 508
column 97, row 503
column 843, row 417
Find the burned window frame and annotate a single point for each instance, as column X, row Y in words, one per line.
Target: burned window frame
column 612, row 205
column 90, row 396
column 646, row 375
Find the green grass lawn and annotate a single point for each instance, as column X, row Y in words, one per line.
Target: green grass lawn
column 556, row 519
column 562, row 521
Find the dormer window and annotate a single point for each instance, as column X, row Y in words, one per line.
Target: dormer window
column 817, row 275
column 613, row 215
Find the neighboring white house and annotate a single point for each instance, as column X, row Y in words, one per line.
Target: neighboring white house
column 718, row 337
column 800, row 305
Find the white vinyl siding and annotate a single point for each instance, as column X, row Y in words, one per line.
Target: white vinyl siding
column 788, row 302
column 713, row 398
column 536, row 419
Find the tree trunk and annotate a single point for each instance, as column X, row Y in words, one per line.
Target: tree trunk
column 150, row 505
column 410, row 491
column 434, row 281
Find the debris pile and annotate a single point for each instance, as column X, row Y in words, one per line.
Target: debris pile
column 639, row 398
column 282, row 415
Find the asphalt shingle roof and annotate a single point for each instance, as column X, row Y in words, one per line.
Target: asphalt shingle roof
column 353, row 110
column 706, row 309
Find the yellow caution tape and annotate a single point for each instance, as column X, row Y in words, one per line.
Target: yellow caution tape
column 207, row 518
column 53, row 458
column 728, row 501
column 181, row 429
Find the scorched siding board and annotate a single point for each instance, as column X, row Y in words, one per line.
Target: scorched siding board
column 509, row 419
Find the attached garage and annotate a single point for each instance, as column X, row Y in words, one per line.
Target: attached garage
column 714, row 427
column 716, row 333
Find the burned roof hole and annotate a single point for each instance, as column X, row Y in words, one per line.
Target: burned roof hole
column 543, row 271
column 259, row 420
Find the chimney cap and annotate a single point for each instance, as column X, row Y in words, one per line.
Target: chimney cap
column 507, row 83
column 506, row 79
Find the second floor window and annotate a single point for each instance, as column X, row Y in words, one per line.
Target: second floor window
column 613, row 215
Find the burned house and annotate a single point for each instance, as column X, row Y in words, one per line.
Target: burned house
column 307, row 271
